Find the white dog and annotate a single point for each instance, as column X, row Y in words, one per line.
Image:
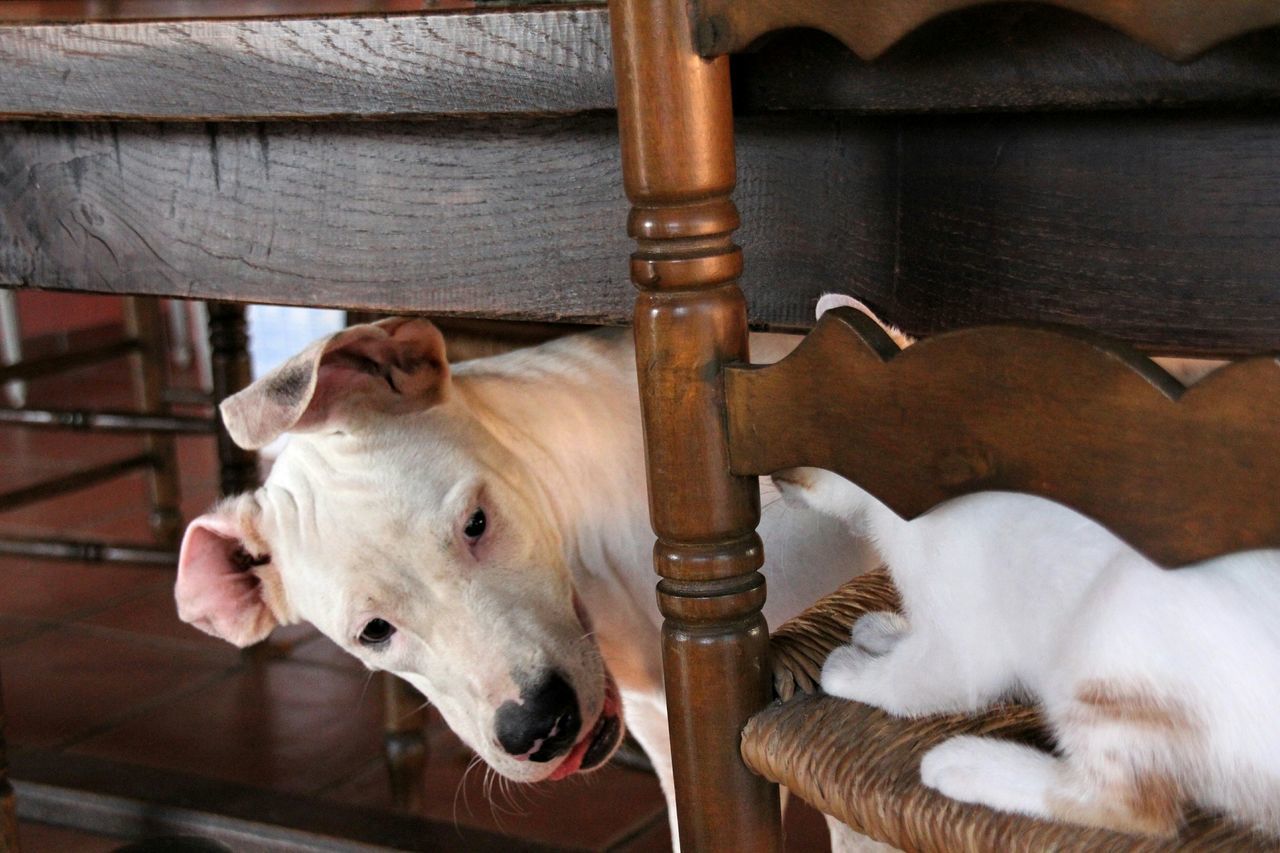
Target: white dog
column 481, row 532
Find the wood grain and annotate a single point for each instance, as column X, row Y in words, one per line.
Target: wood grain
column 520, row 61
column 870, row 27
column 1163, row 230
column 74, row 11
column 517, row 218
column 1182, row 475
column 1129, row 216
column 502, row 62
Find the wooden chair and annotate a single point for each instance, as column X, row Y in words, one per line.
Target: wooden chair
column 712, row 423
column 143, row 343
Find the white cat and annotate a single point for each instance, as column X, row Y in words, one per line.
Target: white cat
column 1161, row 687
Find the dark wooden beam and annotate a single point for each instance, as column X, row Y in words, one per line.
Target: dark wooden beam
column 1110, row 221
column 503, row 62
column 555, row 61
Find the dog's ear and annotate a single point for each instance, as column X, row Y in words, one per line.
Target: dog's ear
column 222, row 589
column 395, row 365
column 840, row 300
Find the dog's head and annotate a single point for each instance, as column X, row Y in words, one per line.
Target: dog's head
column 409, row 534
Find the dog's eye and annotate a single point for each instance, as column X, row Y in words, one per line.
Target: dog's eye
column 377, row 632
column 475, row 526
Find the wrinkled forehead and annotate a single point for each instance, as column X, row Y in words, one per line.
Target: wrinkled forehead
column 398, row 468
column 352, row 524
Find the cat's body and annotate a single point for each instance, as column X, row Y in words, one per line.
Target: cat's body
column 1161, row 687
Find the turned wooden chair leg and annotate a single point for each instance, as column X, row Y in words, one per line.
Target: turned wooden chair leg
column 144, row 323
column 8, row 809
column 405, row 742
column 229, row 345
column 676, row 127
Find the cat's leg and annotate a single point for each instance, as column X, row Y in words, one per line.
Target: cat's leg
column 1104, row 789
column 915, row 675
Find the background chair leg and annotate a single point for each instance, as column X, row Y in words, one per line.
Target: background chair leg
column 405, row 741
column 676, row 124
column 11, row 345
column 144, row 321
column 180, row 350
column 229, row 345
column 8, row 810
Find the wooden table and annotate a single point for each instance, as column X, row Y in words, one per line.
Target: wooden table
column 1007, row 163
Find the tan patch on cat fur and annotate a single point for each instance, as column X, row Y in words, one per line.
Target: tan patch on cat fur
column 795, row 477
column 1150, row 805
column 1102, row 701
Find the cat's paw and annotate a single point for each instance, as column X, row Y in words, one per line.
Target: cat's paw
column 877, row 633
column 841, row 670
column 953, row 766
column 997, row 773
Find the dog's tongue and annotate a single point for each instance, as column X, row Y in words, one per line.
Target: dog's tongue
column 573, row 761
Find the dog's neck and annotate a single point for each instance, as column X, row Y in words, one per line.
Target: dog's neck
column 579, row 439
column 556, row 407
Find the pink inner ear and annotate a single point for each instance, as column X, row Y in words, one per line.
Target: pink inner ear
column 336, row 380
column 216, row 591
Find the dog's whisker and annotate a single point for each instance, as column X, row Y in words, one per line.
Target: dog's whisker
column 461, row 789
column 365, row 689
column 407, row 714
column 495, row 809
column 508, row 789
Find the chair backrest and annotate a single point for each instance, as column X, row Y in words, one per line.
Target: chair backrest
column 1181, row 474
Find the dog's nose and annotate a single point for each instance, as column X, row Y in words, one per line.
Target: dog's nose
column 544, row 724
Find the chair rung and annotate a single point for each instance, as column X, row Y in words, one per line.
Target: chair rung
column 862, row 765
column 33, row 368
column 107, row 421
column 187, row 397
column 88, row 551
column 73, row 481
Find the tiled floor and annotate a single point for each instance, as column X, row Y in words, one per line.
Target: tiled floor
column 97, row 666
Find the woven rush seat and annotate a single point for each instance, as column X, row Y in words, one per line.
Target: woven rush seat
column 862, row 766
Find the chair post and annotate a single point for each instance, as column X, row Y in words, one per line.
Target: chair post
column 229, row 358
column 676, row 124
column 8, row 810
column 404, row 741
column 144, row 323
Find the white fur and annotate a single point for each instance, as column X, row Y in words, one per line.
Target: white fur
column 361, row 521
column 1152, row 680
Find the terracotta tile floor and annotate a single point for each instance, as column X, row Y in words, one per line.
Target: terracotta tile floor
column 96, row 665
